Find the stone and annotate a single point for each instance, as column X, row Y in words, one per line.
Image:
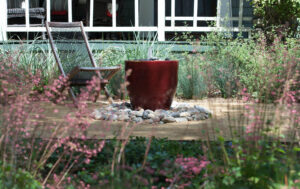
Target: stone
column 175, row 114
column 179, row 112
column 149, row 121
column 174, row 104
column 184, row 106
column 104, row 117
column 95, row 113
column 189, row 118
column 123, row 112
column 115, row 105
column 127, row 110
column 185, row 114
column 168, row 119
column 181, row 120
column 156, row 119
column 123, row 118
column 126, row 104
column 149, row 111
column 137, row 119
column 109, row 108
column 202, row 110
column 113, row 117
column 138, row 113
column 99, row 115
column 199, row 117
column 146, row 113
column 161, row 113
column 151, row 116
column 193, row 111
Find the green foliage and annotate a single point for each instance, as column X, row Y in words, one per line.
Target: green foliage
column 191, row 84
column 240, row 163
column 256, row 165
column 232, row 65
column 277, row 13
column 12, row 178
column 32, row 57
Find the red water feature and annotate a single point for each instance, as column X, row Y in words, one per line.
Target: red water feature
column 152, row 83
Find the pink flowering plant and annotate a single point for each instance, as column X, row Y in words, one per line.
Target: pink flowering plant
column 29, row 141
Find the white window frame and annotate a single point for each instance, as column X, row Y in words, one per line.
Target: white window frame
column 161, row 27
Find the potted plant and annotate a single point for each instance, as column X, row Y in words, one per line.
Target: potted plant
column 151, row 82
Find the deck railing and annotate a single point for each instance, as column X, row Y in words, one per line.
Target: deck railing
column 161, row 27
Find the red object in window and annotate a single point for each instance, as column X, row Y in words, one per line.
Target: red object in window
column 109, row 14
column 60, row 13
column 152, row 83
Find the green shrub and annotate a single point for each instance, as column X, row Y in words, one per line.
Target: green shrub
column 248, row 63
column 250, row 164
column 191, row 83
column 12, row 178
column 277, row 14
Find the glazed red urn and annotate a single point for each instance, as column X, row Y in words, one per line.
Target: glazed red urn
column 152, row 83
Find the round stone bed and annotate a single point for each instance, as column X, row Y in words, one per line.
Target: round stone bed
column 179, row 112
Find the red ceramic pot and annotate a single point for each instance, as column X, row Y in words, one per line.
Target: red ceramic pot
column 152, row 83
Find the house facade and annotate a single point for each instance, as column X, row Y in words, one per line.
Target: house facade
column 161, row 16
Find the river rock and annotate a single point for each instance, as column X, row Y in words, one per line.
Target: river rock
column 199, row 117
column 185, row 114
column 182, row 106
column 202, row 110
column 161, row 113
column 146, row 114
column 137, row 119
column 151, row 116
column 123, row 117
column 113, row 117
column 138, row 113
column 180, row 113
column 181, row 120
column 189, row 118
column 156, row 119
column 168, row 119
column 149, row 121
column 175, row 114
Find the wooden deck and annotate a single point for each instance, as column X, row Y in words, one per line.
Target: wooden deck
column 228, row 120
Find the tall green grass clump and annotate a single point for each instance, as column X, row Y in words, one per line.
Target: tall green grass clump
column 191, row 83
column 33, row 57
